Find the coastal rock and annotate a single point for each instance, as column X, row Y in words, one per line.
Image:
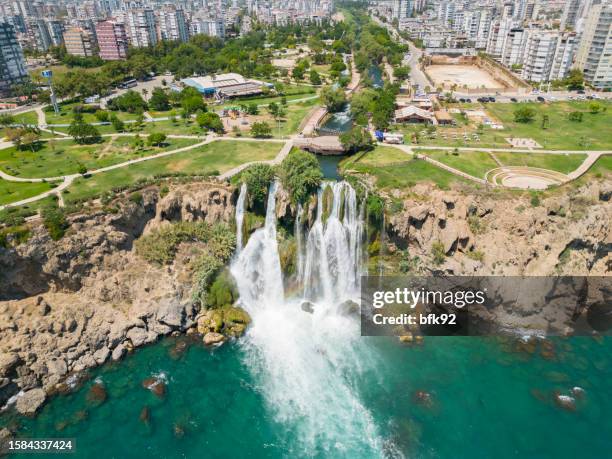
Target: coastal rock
column 57, row 367
column 101, row 355
column 565, row 401
column 118, row 352
column 137, row 336
column 213, row 338
column 307, row 306
column 29, row 402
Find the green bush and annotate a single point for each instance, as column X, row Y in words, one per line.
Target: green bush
column 257, row 179
column 300, row 174
column 55, row 222
column 376, row 208
column 438, row 253
column 222, row 291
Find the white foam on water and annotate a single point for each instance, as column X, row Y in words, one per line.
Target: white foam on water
column 307, row 365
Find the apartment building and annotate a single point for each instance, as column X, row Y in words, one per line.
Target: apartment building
column 12, row 64
column 78, row 42
column 172, row 24
column 594, row 56
column 112, row 40
column 141, row 26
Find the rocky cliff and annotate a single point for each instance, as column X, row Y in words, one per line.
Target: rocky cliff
column 75, row 303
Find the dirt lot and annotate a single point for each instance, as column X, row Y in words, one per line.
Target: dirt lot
column 469, row 76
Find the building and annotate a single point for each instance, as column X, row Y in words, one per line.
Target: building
column 402, row 9
column 514, row 47
column 78, row 42
column 539, row 53
column 172, row 24
column 227, row 85
column 141, row 27
column 574, row 11
column 207, row 26
column 594, row 56
column 12, row 64
column 412, row 114
column 112, row 40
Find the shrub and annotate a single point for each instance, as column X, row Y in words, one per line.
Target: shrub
column 102, row 115
column 376, row 208
column 156, row 138
column 524, row 115
column 261, row 129
column 535, row 200
column 55, row 222
column 222, row 291
column 476, row 255
column 118, row 125
column 136, row 197
column 131, row 102
column 210, row 121
column 575, row 116
column 300, row 174
column 82, row 169
column 438, row 253
column 257, row 179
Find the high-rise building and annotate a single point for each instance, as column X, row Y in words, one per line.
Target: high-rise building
column 539, row 54
column 141, row 26
column 78, row 42
column 112, row 40
column 594, row 56
column 573, row 11
column 172, row 24
column 208, row 26
column 12, row 64
column 402, row 8
column 514, row 47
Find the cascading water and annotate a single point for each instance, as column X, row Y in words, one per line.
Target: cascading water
column 240, row 216
column 306, row 364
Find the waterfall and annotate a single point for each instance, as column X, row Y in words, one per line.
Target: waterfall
column 240, row 216
column 298, row 242
column 306, row 362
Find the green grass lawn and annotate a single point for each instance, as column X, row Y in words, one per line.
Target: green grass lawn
column 10, row 215
column 16, row 191
column 65, row 116
column 216, row 157
column 62, row 157
column 393, row 171
column 475, row 163
column 27, row 118
column 560, row 163
column 593, row 133
column 292, row 121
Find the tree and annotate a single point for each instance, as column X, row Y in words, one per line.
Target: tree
column 252, row 109
column 257, row 179
column 55, row 222
column 356, row 139
column 315, row 78
column 118, row 125
column 159, row 100
column 192, row 104
column 30, row 139
column 261, row 129
column 156, row 139
column 210, row 121
column 333, row 98
column 401, row 73
column 545, row 121
column 83, row 132
column 575, row 80
column 137, row 142
column 300, row 174
column 131, row 102
column 595, row 107
column 524, row 115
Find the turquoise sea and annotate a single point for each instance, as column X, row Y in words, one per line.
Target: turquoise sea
column 444, row 398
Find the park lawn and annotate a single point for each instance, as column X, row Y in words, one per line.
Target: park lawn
column 16, row 191
column 65, row 116
column 296, row 113
column 489, row 138
column 217, row 157
column 30, row 118
column 64, row 157
column 474, row 163
column 380, row 156
column 180, row 127
column 11, row 214
column 564, row 163
column 400, row 175
column 593, row 133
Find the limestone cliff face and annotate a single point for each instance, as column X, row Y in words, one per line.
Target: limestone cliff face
column 505, row 235
column 75, row 303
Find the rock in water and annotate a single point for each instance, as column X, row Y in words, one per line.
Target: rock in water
column 145, row 415
column 213, row 338
column 308, row 307
column 30, row 401
column 565, row 401
column 578, row 392
column 155, row 385
column 97, row 394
